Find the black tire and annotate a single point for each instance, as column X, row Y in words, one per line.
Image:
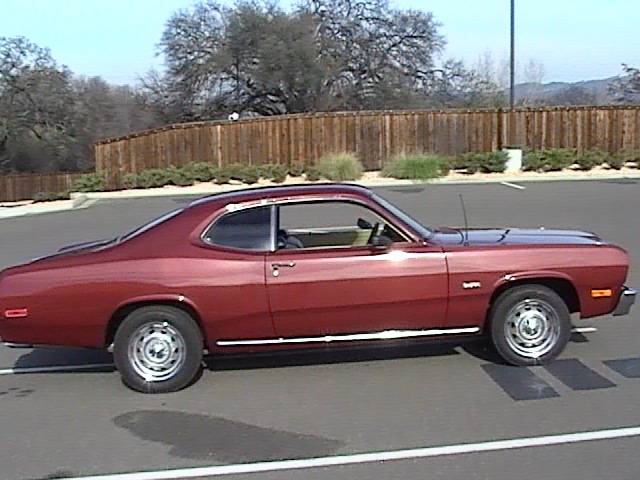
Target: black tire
column 522, row 300
column 179, row 324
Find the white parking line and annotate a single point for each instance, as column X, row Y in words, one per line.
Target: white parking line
column 513, row 185
column 54, row 368
column 360, row 458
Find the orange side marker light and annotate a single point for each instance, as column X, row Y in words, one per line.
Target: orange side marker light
column 601, row 293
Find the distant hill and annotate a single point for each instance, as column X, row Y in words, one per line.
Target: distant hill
column 589, row 92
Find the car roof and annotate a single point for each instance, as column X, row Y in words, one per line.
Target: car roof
column 258, row 193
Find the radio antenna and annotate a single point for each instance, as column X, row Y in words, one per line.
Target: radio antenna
column 466, row 223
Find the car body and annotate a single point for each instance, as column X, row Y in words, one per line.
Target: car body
column 265, row 269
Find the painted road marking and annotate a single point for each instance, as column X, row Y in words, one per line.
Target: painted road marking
column 360, row 458
column 55, row 368
column 520, row 383
column 577, row 376
column 513, row 185
column 627, row 367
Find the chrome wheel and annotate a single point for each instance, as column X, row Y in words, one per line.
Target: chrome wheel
column 532, row 328
column 156, row 351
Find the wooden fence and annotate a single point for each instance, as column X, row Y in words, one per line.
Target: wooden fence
column 25, row 186
column 373, row 136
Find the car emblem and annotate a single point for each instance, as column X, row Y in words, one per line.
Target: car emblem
column 470, row 285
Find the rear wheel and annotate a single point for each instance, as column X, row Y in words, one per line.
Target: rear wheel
column 158, row 349
column 530, row 325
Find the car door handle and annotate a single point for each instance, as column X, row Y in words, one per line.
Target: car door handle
column 275, row 267
column 283, row 265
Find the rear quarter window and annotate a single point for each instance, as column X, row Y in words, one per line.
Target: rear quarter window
column 248, row 229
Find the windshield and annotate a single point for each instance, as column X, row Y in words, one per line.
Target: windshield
column 148, row 226
column 423, row 231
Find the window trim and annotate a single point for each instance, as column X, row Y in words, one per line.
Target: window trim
column 275, row 204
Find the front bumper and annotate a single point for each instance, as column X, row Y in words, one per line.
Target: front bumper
column 626, row 300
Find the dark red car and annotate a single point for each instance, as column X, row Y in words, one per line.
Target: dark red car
column 304, row 266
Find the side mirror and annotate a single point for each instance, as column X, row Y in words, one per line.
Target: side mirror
column 364, row 225
column 381, row 242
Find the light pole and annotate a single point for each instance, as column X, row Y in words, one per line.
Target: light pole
column 512, row 73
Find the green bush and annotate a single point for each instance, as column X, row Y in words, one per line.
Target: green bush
column 486, row 162
column 129, row 181
column 631, row 156
column 91, row 182
column 549, row 160
column 590, row 159
column 340, row 167
column 296, row 169
column 222, row 177
column 50, row 196
column 417, row 167
column 274, row 171
column 250, row 174
column 200, row 171
column 312, row 174
column 154, row 177
column 180, row 177
column 616, row 162
column 235, row 171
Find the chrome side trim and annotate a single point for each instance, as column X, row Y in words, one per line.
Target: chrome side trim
column 584, row 329
column 385, row 335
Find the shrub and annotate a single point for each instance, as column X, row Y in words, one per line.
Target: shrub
column 616, row 162
column 493, row 162
column 130, row 180
column 222, row 177
column 296, row 169
column 200, row 171
column 235, row 171
column 50, row 196
column 250, row 174
column 277, row 173
column 312, row 174
column 590, row 159
column 550, row 160
column 154, row 177
column 631, row 156
column 340, row 167
column 180, row 177
column 91, row 182
column 417, row 167
column 486, row 162
column 467, row 162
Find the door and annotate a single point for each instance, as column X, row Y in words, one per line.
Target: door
column 327, row 277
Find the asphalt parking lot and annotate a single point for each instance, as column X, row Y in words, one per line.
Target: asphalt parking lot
column 331, row 403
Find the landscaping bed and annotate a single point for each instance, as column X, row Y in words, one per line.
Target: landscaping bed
column 346, row 167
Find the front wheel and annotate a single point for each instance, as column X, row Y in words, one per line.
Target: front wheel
column 530, row 325
column 158, row 349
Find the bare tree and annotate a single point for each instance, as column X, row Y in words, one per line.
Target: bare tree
column 626, row 88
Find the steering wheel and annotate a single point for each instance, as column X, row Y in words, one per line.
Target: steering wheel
column 374, row 232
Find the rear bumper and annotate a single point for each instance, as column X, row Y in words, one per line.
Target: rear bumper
column 626, row 300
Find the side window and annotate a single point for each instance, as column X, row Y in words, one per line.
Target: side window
column 331, row 224
column 247, row 229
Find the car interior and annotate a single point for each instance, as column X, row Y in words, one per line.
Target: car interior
column 347, row 225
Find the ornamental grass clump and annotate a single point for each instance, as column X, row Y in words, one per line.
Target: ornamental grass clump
column 416, row 167
column 340, row 167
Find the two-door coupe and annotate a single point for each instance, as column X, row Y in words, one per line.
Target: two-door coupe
column 305, row 266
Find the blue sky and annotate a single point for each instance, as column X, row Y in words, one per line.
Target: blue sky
column 116, row 39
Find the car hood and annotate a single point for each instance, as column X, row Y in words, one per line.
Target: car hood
column 514, row 236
